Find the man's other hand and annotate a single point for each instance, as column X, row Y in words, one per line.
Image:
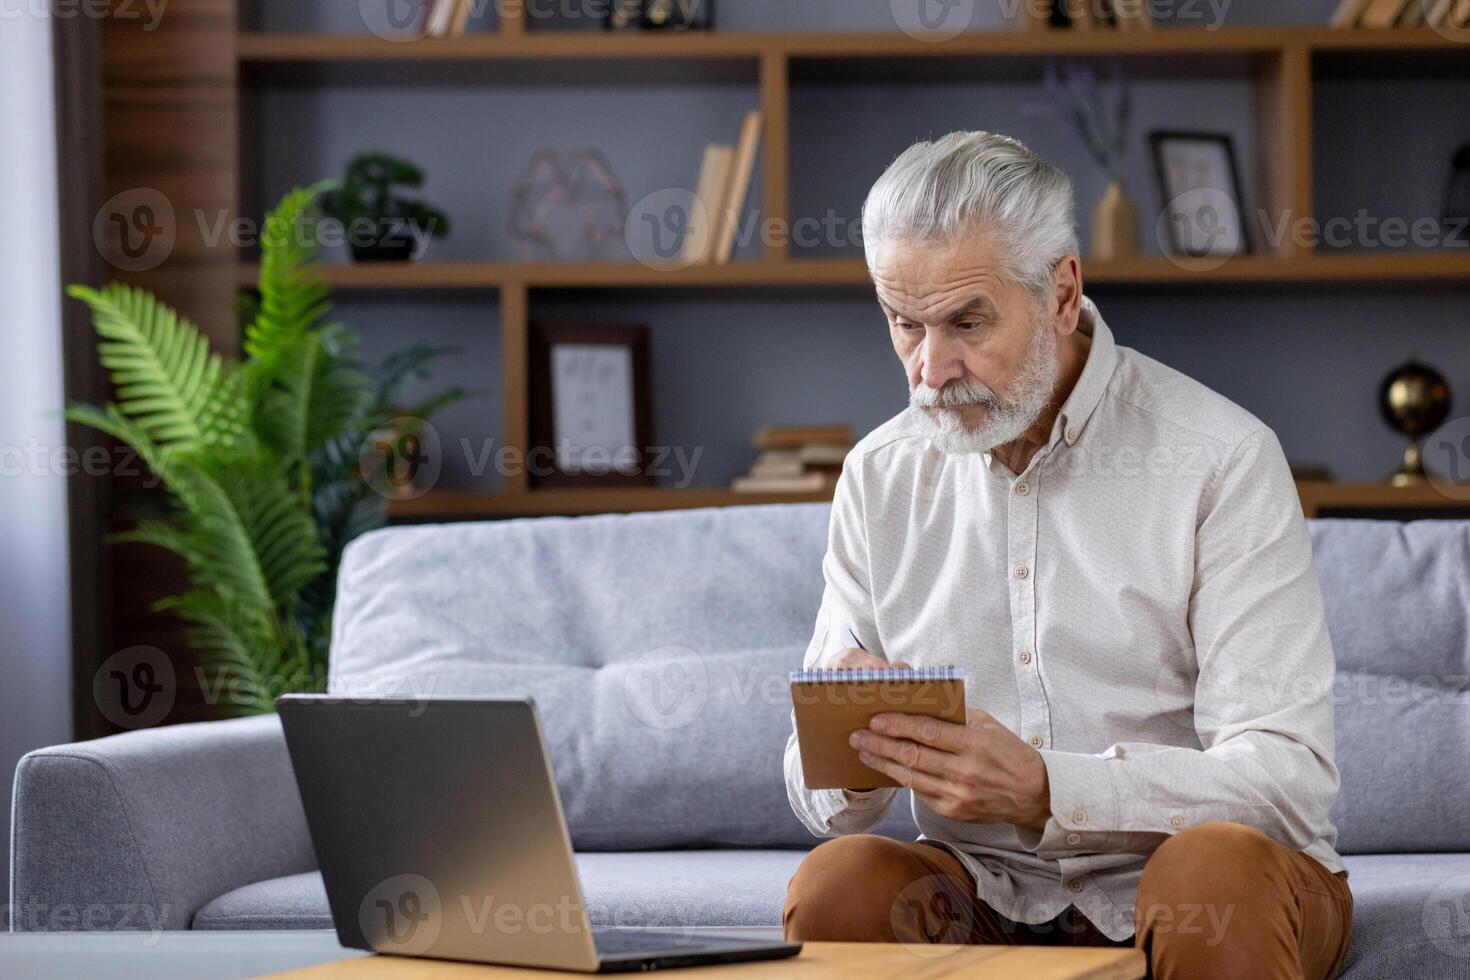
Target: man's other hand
column 978, row 772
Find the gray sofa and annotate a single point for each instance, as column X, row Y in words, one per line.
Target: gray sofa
column 657, row 648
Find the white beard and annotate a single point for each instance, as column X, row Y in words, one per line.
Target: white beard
column 1006, row 420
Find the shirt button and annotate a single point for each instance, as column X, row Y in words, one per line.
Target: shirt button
column 1072, row 435
column 1035, row 741
column 1074, row 839
column 1075, row 884
column 1024, row 656
column 1022, row 571
column 1079, row 815
column 1176, row 821
column 1023, row 488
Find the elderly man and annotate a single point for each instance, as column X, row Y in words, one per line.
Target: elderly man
column 1116, row 556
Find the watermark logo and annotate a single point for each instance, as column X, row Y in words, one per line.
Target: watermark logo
column 1447, row 458
column 394, row 20
column 401, row 459
column 1199, row 229
column 932, row 20
column 662, row 228
column 1452, row 24
column 1446, row 917
column 135, row 231
column 932, row 913
column 667, row 688
column 402, row 915
column 135, row 688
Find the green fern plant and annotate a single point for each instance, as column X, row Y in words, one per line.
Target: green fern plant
column 258, row 456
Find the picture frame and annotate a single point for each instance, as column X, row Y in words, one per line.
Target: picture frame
column 1201, row 196
column 591, row 408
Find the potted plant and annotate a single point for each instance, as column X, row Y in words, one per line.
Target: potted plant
column 380, row 225
column 260, row 457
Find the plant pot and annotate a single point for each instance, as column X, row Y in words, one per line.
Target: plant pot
column 392, row 242
column 1114, row 225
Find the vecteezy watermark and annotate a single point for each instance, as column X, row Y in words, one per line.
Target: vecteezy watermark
column 1447, row 458
column 148, row 921
column 940, row 20
column 135, row 687
column 667, row 688
column 36, row 459
column 136, row 230
column 407, row 20
column 1445, row 917
column 401, row 915
column 670, row 229
column 404, row 458
column 934, row 912
column 150, row 12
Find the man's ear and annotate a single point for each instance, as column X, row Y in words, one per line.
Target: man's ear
column 1065, row 306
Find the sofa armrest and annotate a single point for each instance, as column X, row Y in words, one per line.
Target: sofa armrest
column 139, row 831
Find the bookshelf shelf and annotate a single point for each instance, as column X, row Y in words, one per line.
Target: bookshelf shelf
column 256, row 48
column 1316, row 497
column 1283, row 64
column 1364, row 268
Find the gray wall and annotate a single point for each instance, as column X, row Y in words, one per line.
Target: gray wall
column 1307, row 360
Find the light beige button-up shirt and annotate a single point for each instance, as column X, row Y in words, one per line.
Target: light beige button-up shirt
column 1140, row 605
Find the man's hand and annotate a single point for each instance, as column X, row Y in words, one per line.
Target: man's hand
column 978, row 772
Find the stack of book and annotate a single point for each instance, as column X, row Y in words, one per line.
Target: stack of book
column 797, row 459
column 1380, row 14
column 724, row 182
column 446, row 18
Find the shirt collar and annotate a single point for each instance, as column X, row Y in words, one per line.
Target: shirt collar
column 1091, row 384
column 1096, row 374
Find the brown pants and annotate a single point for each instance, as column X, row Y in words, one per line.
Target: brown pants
column 1288, row 917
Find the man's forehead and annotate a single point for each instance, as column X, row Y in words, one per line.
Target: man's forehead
column 946, row 299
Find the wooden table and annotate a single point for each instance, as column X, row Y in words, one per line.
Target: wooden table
column 859, row 961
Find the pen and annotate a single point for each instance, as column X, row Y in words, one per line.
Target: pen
column 855, row 641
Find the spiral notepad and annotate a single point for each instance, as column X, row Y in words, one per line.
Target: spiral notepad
column 831, row 704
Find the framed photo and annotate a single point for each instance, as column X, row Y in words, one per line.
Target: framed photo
column 1200, row 190
column 590, row 406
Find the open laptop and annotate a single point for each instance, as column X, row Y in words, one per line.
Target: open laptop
column 440, row 833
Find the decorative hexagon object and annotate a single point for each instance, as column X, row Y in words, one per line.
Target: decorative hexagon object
column 568, row 206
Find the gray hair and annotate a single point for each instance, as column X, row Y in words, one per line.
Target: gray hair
column 935, row 193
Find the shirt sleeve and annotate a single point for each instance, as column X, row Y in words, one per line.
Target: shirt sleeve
column 1262, row 700
column 847, row 603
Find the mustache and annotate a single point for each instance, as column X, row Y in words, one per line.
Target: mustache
column 956, row 394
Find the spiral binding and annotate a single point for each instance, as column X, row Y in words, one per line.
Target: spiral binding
column 848, row 675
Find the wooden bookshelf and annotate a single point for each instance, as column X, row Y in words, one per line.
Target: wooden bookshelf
column 1425, row 268
column 1318, row 498
column 1283, row 64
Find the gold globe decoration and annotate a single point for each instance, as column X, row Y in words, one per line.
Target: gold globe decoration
column 1415, row 400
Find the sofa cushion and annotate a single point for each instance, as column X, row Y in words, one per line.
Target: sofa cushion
column 657, row 647
column 1411, row 916
column 1407, row 917
column 645, row 888
column 1398, row 608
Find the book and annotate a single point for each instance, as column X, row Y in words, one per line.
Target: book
column 796, row 436
column 461, row 18
column 1382, row 14
column 744, row 165
column 438, row 16
column 778, row 463
column 714, row 175
column 1348, row 13
column 830, row 705
column 1437, row 13
column 806, row 483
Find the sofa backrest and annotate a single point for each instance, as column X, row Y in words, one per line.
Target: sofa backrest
column 1398, row 608
column 657, row 648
